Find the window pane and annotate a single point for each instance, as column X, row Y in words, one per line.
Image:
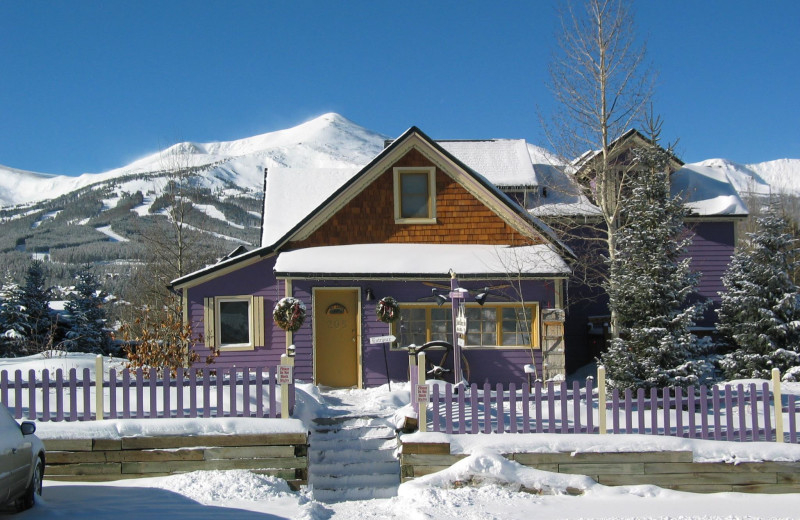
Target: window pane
column 442, row 324
column 517, row 325
column 481, row 326
column 411, row 328
column 234, row 322
column 414, row 195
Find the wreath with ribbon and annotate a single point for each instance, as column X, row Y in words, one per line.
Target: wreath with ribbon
column 289, row 313
column 388, row 310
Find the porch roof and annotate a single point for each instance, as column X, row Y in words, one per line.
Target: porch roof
column 405, row 261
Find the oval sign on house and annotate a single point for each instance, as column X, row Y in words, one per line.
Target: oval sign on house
column 336, row 308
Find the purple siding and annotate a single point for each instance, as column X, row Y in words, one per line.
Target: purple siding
column 492, row 365
column 259, row 280
column 711, row 250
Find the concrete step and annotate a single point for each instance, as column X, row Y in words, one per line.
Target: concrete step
column 322, row 443
column 354, row 481
column 362, row 493
column 348, row 456
column 383, row 467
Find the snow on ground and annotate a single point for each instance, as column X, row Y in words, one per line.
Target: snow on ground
column 497, row 493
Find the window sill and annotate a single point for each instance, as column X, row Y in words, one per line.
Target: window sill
column 236, row 348
column 415, row 221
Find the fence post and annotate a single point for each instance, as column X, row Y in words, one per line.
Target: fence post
column 412, row 374
column 98, row 388
column 778, row 399
column 286, row 360
column 423, row 406
column 601, row 400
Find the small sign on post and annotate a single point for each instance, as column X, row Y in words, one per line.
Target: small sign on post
column 382, row 339
column 284, row 374
column 423, row 393
column 461, row 325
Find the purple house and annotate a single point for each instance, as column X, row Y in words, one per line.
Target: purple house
column 339, row 240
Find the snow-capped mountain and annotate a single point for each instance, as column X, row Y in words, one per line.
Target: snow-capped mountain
column 329, row 141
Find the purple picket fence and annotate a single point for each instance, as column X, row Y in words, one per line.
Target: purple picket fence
column 731, row 413
column 142, row 394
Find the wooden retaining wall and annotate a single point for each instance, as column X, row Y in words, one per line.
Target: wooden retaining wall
column 668, row 469
column 282, row 455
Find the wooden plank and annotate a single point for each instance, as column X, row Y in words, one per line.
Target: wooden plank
column 73, row 457
column 181, row 466
column 277, row 439
column 767, row 488
column 671, row 480
column 788, row 478
column 426, row 448
column 249, row 452
column 82, row 469
column 67, row 444
column 161, row 455
column 633, row 468
column 106, row 444
column 598, row 458
column 420, row 471
column 417, row 459
column 720, row 467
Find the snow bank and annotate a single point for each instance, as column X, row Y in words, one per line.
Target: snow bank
column 704, row 451
column 117, row 429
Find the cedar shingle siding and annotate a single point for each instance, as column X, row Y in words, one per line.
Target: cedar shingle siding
column 369, row 217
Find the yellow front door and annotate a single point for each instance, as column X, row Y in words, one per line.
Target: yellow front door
column 336, row 315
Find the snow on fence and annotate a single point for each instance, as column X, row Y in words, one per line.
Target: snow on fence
column 741, row 412
column 144, row 394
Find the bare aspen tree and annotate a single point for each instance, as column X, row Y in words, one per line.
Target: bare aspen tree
column 602, row 85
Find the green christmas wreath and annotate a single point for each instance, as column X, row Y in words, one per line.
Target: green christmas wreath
column 388, row 310
column 289, row 313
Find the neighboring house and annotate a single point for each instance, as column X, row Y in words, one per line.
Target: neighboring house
column 339, row 240
column 715, row 208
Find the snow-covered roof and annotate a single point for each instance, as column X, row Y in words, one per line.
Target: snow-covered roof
column 293, row 193
column 504, row 162
column 707, row 191
column 560, row 196
column 408, row 260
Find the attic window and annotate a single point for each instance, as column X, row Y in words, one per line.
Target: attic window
column 415, row 195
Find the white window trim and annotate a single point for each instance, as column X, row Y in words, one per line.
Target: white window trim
column 250, row 345
column 398, row 171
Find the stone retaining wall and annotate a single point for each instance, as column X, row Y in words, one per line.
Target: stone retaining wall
column 282, row 455
column 667, row 469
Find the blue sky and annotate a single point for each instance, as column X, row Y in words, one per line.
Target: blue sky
column 87, row 86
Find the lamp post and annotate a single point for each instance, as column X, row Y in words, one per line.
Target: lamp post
column 457, row 296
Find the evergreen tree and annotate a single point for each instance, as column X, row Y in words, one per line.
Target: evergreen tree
column 759, row 317
column 11, row 317
column 88, row 332
column 649, row 285
column 28, row 325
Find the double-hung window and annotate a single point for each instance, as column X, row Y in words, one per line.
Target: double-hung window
column 234, row 322
column 415, row 195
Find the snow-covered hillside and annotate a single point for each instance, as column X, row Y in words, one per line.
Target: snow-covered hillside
column 329, row 141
